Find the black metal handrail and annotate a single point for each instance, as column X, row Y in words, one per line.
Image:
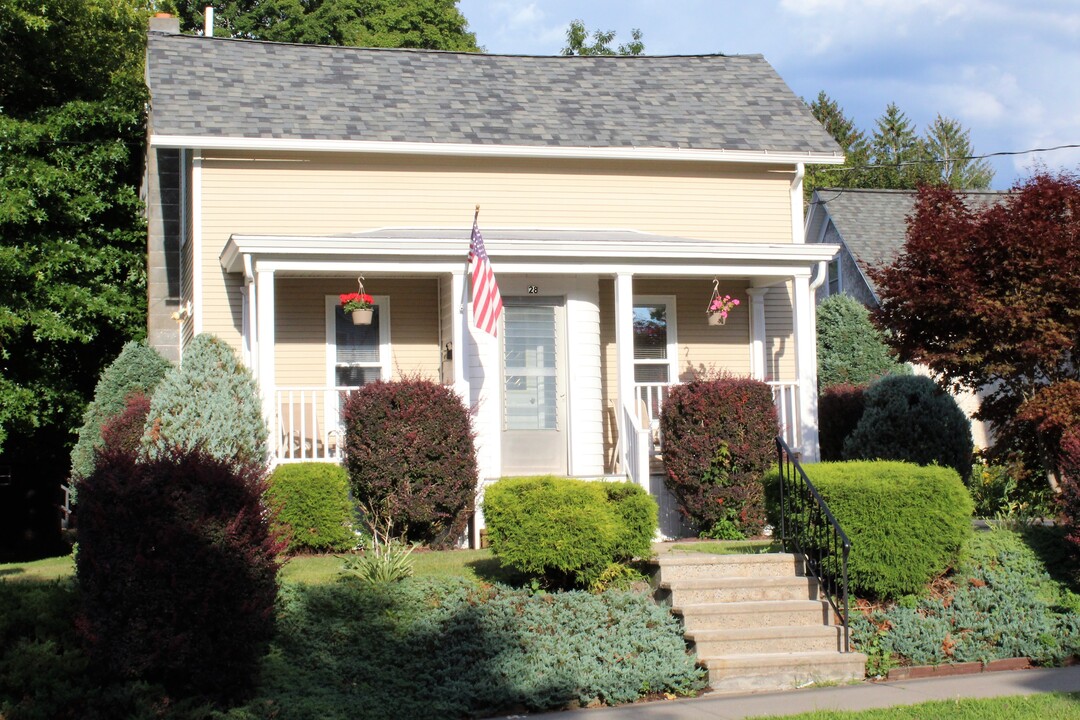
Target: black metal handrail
column 808, row 528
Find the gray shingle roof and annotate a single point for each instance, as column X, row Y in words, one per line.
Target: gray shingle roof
column 873, row 223
column 243, row 89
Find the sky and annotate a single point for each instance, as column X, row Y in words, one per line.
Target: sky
column 1008, row 71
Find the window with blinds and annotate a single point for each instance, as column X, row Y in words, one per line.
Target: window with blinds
column 654, row 341
column 361, row 352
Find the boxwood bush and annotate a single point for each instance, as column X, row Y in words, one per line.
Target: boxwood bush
column 411, row 460
column 568, row 531
column 719, row 439
column 910, row 418
column 906, row 523
column 312, row 502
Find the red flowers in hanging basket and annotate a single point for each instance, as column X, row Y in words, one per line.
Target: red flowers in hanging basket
column 356, row 301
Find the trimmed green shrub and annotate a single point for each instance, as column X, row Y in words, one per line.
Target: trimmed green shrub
column 851, row 351
column 840, row 408
column 138, row 368
column 568, row 531
column 1002, row 606
column 210, row 401
column 411, row 461
column 312, row 502
column 906, row 523
column 480, row 652
column 910, row 418
column 719, row 439
column 178, row 572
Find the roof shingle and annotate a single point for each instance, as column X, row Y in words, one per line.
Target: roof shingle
column 225, row 88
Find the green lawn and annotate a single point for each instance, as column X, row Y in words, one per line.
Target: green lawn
column 725, row 547
column 1054, row 706
column 47, row 569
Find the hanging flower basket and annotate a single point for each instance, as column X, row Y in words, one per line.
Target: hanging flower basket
column 720, row 305
column 359, row 305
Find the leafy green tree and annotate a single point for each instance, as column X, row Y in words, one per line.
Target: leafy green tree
column 138, row 368
column 949, row 144
column 430, row 24
column 850, row 349
column 577, row 42
column 987, row 298
column 72, row 240
column 211, row 402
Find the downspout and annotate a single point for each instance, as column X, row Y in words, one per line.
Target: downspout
column 798, row 229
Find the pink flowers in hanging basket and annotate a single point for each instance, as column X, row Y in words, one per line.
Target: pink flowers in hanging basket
column 722, row 305
column 356, row 301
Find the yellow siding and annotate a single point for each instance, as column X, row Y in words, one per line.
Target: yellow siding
column 779, row 334
column 300, row 306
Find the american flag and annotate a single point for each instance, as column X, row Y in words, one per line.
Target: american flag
column 487, row 303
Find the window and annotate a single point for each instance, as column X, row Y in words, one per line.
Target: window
column 834, row 276
column 654, row 340
column 357, row 354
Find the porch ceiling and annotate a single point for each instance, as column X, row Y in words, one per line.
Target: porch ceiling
column 434, row 250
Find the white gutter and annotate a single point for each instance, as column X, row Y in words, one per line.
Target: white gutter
column 509, row 151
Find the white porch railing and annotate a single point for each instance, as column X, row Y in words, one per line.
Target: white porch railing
column 307, row 425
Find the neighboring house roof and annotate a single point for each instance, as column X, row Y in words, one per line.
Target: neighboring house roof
column 222, row 88
column 872, row 224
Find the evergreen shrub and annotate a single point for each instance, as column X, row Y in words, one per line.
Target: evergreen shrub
column 906, row 523
column 524, row 651
column 410, row 458
column 851, row 351
column 177, row 568
column 210, row 401
column 568, row 531
column 840, row 408
column 910, row 418
column 313, row 506
column 138, row 368
column 719, row 439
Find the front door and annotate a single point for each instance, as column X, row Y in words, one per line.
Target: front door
column 534, row 422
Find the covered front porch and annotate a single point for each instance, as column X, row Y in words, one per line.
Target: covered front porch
column 598, row 325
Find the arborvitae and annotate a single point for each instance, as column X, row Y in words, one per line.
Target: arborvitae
column 211, row 401
column 137, row 369
column 850, row 349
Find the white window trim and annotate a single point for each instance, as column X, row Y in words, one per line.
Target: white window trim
column 672, row 334
column 835, row 263
column 333, row 305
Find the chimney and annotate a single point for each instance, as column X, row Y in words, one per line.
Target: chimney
column 165, row 24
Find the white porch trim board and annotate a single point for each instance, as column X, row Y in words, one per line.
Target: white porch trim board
column 264, row 323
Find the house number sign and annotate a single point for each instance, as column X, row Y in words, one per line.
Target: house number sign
column 534, row 289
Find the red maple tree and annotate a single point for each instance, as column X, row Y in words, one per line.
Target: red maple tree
column 989, row 298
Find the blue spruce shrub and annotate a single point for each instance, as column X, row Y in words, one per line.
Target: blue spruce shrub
column 137, row 369
column 210, row 401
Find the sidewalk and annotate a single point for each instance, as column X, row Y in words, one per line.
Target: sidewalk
column 849, row 697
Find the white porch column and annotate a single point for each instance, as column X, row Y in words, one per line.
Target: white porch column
column 459, row 320
column 264, row 323
column 624, row 353
column 757, row 331
column 806, row 363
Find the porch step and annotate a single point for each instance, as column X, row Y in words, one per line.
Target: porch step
column 695, row 591
column 764, row 672
column 756, row 622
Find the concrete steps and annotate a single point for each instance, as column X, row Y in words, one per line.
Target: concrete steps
column 756, row 622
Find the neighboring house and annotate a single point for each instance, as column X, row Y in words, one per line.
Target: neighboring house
column 613, row 191
column 870, row 226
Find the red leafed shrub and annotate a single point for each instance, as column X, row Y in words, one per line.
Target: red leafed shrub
column 839, row 409
column 411, row 460
column 718, row 439
column 178, row 571
column 123, row 432
column 1069, row 499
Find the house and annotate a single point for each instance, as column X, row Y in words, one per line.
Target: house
column 615, row 194
column 870, row 226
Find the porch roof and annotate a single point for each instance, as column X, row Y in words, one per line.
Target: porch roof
column 436, row 250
